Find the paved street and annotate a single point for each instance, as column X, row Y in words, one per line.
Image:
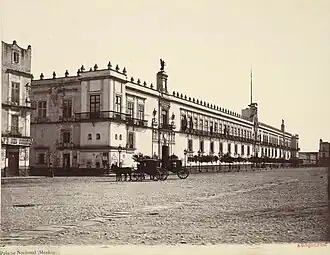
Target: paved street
column 282, row 205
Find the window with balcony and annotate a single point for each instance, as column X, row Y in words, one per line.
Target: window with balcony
column 130, row 140
column 16, row 57
column 67, row 108
column 14, row 124
column 15, row 86
column 66, row 136
column 118, row 103
column 165, row 118
column 95, row 105
column 201, row 146
column 141, row 112
column 130, row 109
column 190, row 145
column 211, row 147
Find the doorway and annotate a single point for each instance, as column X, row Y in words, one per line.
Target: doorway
column 13, row 163
column 66, row 160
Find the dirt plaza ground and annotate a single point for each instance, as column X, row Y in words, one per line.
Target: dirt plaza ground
column 278, row 205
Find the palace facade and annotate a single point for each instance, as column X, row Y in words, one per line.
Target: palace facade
column 16, row 109
column 98, row 117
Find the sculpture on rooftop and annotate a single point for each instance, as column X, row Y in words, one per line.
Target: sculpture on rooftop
column 162, row 65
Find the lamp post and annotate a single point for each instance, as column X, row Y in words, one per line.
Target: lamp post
column 220, row 155
column 154, row 112
column 199, row 160
column 119, row 151
column 185, row 158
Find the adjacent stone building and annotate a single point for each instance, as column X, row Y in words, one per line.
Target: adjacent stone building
column 98, row 117
column 324, row 153
column 16, row 109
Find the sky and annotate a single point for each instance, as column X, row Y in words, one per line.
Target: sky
column 209, row 47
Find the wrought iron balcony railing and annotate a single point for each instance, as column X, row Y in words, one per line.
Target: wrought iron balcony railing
column 39, row 120
column 17, row 103
column 65, row 145
column 101, row 116
column 167, row 126
column 136, row 122
column 13, row 131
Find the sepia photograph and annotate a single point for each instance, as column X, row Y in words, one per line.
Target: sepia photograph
column 164, row 123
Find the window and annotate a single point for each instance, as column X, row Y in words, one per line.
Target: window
column 236, row 150
column 16, row 57
column 275, row 153
column 206, row 125
column 95, row 105
column 201, row 146
column 212, row 147
column 141, row 112
column 248, row 150
column 116, row 136
column 98, row 136
column 42, row 109
column 14, row 124
column 215, row 127
column 242, row 150
column 201, row 124
column 41, row 158
column 229, row 148
column 211, row 127
column 190, row 145
column 89, row 137
column 67, row 108
column 66, row 137
column 118, row 103
column 195, row 123
column 165, row 117
column 220, row 147
column 130, row 109
column 15, row 92
column 120, row 137
column 130, row 142
column 220, row 128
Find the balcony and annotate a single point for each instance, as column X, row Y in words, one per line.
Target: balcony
column 167, row 126
column 17, row 105
column 101, row 116
column 136, row 122
column 13, row 132
column 63, row 145
column 67, row 118
column 40, row 120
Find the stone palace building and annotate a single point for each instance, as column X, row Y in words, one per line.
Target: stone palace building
column 15, row 109
column 100, row 116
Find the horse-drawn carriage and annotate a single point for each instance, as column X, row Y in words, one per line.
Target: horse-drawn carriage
column 157, row 169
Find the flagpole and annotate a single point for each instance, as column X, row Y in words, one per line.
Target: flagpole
column 251, row 84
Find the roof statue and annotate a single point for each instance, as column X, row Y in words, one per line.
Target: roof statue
column 162, row 65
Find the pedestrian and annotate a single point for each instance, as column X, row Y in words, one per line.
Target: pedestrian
column 51, row 170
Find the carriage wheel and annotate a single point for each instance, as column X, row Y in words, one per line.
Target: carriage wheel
column 134, row 177
column 164, row 174
column 157, row 176
column 183, row 173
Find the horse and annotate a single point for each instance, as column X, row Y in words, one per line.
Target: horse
column 119, row 171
